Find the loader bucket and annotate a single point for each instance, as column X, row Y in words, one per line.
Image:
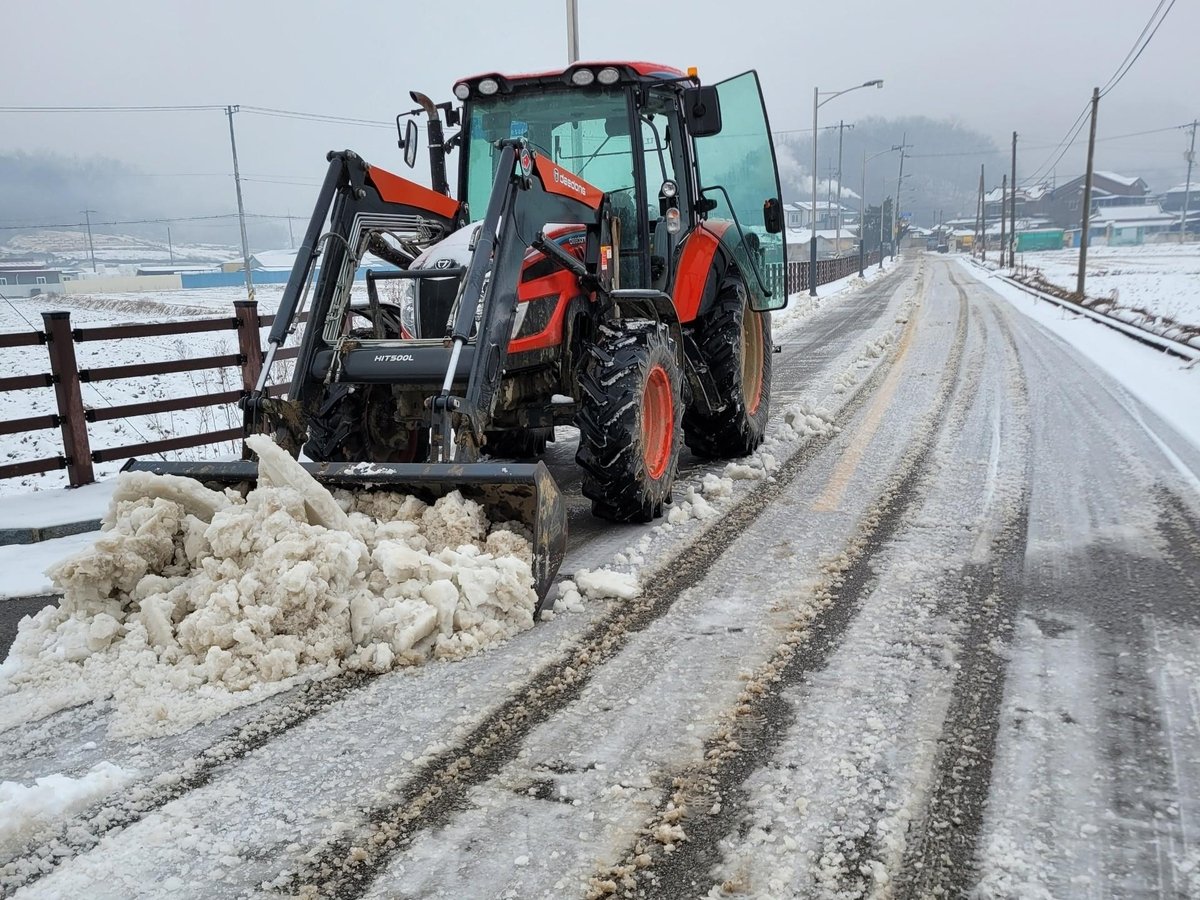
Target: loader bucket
column 521, row 492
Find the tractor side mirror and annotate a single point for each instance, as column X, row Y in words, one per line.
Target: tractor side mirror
column 773, row 215
column 702, row 107
column 408, row 143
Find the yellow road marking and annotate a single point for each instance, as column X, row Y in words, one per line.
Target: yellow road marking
column 831, row 498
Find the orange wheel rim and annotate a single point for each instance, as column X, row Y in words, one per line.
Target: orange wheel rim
column 658, row 422
column 752, row 360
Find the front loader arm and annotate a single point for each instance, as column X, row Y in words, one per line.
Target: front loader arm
column 529, row 193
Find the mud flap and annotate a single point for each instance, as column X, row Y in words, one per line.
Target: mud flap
column 520, row 492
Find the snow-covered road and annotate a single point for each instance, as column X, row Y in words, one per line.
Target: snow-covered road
column 950, row 645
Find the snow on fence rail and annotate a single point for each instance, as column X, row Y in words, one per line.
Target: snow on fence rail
column 65, row 377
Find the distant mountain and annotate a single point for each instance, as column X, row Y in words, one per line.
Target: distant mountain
column 941, row 167
column 53, row 190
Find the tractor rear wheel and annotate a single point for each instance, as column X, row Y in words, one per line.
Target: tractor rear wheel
column 735, row 343
column 630, row 422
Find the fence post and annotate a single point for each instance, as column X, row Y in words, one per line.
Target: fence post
column 249, row 342
column 61, row 345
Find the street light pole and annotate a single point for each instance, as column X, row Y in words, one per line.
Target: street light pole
column 817, row 104
column 812, row 220
column 572, row 32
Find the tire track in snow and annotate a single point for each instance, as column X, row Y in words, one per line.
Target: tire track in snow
column 941, row 851
column 346, row 865
column 82, row 833
column 679, row 844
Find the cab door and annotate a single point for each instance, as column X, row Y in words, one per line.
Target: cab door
column 739, row 177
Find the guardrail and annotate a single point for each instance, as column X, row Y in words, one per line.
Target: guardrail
column 1184, row 343
column 65, row 377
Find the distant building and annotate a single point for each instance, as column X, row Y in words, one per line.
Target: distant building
column 23, row 278
column 1130, row 225
column 1109, row 189
column 172, row 270
column 799, row 214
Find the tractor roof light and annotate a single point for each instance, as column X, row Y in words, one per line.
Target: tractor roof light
column 582, row 77
column 462, row 90
column 608, row 75
column 488, row 86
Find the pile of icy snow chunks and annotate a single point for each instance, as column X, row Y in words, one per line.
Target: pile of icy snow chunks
column 194, row 601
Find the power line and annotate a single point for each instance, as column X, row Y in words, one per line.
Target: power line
column 1062, row 148
column 1127, row 63
column 315, row 117
column 54, row 109
column 254, row 110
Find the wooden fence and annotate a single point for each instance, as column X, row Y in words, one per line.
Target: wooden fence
column 65, row 376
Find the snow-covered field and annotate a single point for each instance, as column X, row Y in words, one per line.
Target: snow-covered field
column 1163, row 279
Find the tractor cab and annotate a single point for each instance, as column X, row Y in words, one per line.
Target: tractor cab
column 669, row 153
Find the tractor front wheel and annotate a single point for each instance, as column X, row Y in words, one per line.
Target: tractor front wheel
column 735, row 343
column 629, row 422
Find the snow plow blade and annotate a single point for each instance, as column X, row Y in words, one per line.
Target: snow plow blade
column 520, row 492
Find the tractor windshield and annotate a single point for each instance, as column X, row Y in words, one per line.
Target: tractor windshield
column 586, row 132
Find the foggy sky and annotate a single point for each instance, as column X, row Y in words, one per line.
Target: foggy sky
column 1017, row 65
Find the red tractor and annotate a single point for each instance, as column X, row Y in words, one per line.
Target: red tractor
column 608, row 260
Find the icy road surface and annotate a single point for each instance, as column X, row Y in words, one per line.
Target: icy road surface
column 948, row 644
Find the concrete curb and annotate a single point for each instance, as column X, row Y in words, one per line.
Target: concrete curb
column 46, row 532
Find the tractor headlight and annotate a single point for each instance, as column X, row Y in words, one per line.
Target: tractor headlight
column 669, row 189
column 608, row 75
column 488, row 86
column 462, row 90
column 582, row 77
column 405, row 297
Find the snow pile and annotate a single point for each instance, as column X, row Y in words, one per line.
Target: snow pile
column 692, row 506
column 597, row 584
column 872, row 352
column 753, row 468
column 193, row 602
column 801, row 420
column 23, row 809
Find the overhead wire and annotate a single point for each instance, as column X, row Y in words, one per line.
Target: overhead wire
column 1127, row 63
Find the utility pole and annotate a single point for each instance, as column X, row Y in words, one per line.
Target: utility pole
column 291, row 235
column 1087, row 198
column 237, row 181
column 87, row 216
column 572, row 32
column 841, row 126
column 1003, row 216
column 1012, row 217
column 982, row 216
column 1187, row 187
column 896, row 202
column 170, row 246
